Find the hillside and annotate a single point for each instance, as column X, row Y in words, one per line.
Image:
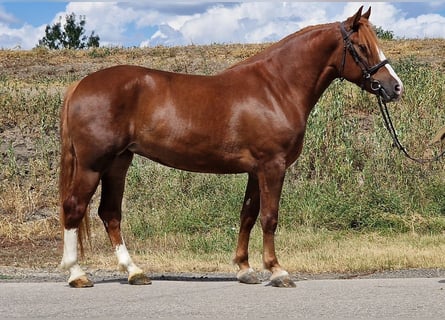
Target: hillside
column 30, row 66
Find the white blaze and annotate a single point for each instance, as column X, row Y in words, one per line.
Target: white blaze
column 390, row 70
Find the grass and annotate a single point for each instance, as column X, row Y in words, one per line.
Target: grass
column 352, row 203
column 301, row 251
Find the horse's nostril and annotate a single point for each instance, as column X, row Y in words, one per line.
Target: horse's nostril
column 397, row 88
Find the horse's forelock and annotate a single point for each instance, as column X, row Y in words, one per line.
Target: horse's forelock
column 368, row 37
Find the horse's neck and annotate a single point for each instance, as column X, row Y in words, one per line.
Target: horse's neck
column 305, row 61
column 308, row 62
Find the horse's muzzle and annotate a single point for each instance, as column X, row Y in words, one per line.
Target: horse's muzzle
column 388, row 94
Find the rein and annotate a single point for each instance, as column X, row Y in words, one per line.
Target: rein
column 392, row 131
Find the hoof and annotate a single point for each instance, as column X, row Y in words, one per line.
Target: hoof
column 248, row 276
column 82, row 282
column 282, row 281
column 139, row 279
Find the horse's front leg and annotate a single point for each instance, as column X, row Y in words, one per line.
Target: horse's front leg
column 110, row 211
column 271, row 179
column 249, row 214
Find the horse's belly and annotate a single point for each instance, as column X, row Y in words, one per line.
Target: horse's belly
column 212, row 160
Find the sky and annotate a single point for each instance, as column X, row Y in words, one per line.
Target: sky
column 149, row 23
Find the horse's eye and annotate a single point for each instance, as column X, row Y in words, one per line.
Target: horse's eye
column 363, row 48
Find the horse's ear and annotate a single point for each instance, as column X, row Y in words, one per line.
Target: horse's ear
column 354, row 20
column 367, row 14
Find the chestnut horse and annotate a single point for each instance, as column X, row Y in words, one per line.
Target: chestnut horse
column 250, row 118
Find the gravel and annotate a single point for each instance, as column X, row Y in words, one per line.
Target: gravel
column 16, row 274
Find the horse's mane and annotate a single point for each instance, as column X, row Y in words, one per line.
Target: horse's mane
column 366, row 35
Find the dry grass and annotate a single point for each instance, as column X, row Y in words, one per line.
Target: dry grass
column 300, row 251
column 318, row 252
column 37, row 244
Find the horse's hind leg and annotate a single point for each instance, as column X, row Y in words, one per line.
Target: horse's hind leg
column 74, row 208
column 110, row 211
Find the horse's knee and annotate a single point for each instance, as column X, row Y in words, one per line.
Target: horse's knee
column 269, row 222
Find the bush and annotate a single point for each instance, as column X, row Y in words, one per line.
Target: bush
column 384, row 34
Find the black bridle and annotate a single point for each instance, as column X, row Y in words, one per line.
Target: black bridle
column 375, row 85
column 367, row 72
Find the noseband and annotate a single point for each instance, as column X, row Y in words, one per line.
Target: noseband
column 367, row 71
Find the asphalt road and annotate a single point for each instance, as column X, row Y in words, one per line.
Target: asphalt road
column 412, row 298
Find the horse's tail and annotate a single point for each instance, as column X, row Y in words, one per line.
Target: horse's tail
column 68, row 164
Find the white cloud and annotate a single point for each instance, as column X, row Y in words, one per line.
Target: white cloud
column 270, row 21
column 424, row 26
column 249, row 21
column 387, row 16
column 108, row 20
column 25, row 37
column 382, row 13
column 135, row 23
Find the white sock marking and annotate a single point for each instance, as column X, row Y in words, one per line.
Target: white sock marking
column 125, row 261
column 69, row 248
column 69, row 258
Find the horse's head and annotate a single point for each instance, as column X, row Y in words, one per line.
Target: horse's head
column 363, row 62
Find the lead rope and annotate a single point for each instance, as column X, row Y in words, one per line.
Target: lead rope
column 390, row 127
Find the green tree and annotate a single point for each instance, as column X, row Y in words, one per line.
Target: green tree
column 70, row 36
